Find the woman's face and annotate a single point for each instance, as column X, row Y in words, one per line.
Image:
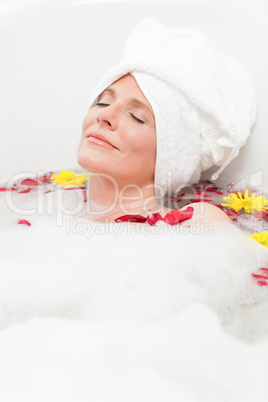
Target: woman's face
column 124, row 119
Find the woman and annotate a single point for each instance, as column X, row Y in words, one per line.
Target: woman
column 159, row 118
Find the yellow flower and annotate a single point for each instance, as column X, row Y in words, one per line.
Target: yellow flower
column 66, row 178
column 249, row 203
column 262, row 238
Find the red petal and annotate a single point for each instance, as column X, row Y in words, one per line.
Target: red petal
column 177, row 216
column 214, row 191
column 85, row 196
column 199, row 200
column 232, row 214
column 131, row 218
column 264, row 270
column 202, row 193
column 46, row 178
column 178, row 198
column 75, row 188
column 8, row 189
column 259, row 276
column 25, row 191
column 24, row 222
column 219, row 206
column 262, row 215
column 262, row 283
column 154, row 218
column 30, row 182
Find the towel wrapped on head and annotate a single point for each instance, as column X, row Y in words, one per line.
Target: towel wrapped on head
column 203, row 101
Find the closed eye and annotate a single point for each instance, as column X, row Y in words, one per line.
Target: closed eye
column 136, row 118
column 131, row 114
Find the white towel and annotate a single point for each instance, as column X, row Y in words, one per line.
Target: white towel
column 203, row 101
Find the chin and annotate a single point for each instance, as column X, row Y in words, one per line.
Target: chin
column 93, row 164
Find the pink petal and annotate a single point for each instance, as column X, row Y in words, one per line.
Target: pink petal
column 24, row 222
column 30, row 182
column 131, row 218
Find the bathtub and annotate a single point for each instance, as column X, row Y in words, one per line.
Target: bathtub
column 120, row 313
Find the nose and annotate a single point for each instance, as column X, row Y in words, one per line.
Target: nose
column 108, row 116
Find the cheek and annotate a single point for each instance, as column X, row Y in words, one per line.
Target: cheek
column 140, row 140
column 81, row 154
column 145, row 144
column 141, row 155
column 87, row 120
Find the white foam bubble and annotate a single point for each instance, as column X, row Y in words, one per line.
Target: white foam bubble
column 144, row 310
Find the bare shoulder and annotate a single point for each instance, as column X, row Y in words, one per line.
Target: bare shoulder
column 205, row 212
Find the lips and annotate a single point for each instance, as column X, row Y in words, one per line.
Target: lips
column 99, row 139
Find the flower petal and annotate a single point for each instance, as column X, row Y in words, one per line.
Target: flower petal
column 199, row 200
column 177, row 216
column 178, row 198
column 131, row 218
column 45, row 178
column 232, row 214
column 24, row 222
column 30, row 182
column 75, row 188
column 25, row 191
column 202, row 193
column 154, row 218
column 220, row 206
column 259, row 276
column 8, row 189
column 214, row 191
column 262, row 283
column 84, row 195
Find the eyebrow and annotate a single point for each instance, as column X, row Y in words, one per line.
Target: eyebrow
column 132, row 100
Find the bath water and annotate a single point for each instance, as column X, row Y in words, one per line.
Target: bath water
column 118, row 311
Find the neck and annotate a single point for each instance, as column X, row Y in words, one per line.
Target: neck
column 109, row 199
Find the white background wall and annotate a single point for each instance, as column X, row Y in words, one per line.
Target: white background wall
column 53, row 52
